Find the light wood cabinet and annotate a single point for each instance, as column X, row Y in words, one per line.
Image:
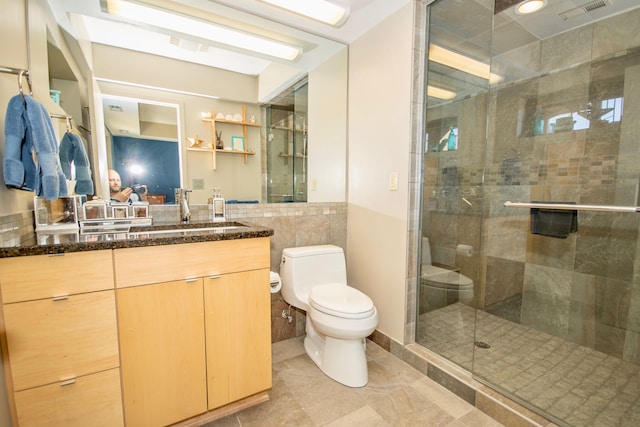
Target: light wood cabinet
column 162, row 350
column 173, row 332
column 238, row 326
column 92, row 400
column 155, row 264
column 49, row 276
column 59, row 339
column 195, row 330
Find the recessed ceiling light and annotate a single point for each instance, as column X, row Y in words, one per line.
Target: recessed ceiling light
column 329, row 12
column 440, row 93
column 530, row 6
column 167, row 20
column 463, row 63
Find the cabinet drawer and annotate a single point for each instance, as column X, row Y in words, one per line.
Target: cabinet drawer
column 140, row 266
column 92, row 400
column 45, row 276
column 52, row 340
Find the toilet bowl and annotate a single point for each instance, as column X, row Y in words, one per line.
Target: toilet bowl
column 339, row 317
column 443, row 286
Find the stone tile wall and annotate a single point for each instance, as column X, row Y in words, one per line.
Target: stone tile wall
column 13, row 226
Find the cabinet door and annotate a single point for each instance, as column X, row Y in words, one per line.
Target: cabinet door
column 93, row 400
column 238, row 327
column 162, row 352
column 53, row 340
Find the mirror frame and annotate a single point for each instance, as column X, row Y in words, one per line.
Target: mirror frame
column 109, row 135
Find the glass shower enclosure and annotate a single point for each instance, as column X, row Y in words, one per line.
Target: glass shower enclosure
column 541, row 304
column 287, row 130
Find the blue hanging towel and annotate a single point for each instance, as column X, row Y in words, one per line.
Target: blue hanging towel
column 72, row 151
column 30, row 130
column 19, row 169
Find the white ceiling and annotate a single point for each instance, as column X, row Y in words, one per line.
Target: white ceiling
column 549, row 21
column 84, row 18
column 318, row 40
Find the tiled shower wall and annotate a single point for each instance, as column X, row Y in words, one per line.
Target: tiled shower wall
column 585, row 288
column 294, row 224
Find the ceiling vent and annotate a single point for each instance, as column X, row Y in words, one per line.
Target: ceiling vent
column 585, row 8
column 189, row 45
column 116, row 108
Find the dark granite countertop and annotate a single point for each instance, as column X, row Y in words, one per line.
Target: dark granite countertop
column 42, row 243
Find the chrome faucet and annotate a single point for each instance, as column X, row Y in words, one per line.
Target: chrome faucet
column 182, row 199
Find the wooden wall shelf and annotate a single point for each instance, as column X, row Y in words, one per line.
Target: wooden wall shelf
column 243, row 123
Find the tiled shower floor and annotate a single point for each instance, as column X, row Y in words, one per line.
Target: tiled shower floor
column 572, row 383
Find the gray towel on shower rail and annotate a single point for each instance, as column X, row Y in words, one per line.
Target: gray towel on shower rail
column 553, row 222
column 450, row 176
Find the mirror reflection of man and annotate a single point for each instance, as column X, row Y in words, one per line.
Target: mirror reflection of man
column 119, row 194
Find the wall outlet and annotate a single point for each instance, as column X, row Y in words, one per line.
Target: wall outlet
column 197, row 184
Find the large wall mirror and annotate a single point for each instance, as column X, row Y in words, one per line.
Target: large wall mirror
column 197, row 76
column 143, row 145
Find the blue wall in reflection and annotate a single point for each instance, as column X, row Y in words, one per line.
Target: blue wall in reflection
column 148, row 161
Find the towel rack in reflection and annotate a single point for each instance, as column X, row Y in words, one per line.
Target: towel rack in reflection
column 566, row 206
column 20, row 73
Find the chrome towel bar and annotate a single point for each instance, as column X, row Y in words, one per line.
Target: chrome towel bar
column 566, row 206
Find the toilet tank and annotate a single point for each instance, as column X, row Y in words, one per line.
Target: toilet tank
column 305, row 267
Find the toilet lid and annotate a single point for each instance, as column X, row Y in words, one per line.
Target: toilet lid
column 341, row 301
column 445, row 277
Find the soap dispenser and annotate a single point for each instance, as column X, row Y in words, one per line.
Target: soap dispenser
column 218, row 206
column 452, row 141
column 538, row 122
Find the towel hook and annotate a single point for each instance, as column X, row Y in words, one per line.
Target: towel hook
column 69, row 126
column 20, row 74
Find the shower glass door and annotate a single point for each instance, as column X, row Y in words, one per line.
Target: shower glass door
column 287, row 130
column 554, row 322
column 561, row 304
column 458, row 84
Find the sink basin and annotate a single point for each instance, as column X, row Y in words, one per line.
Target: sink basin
column 186, row 229
column 183, row 231
column 169, row 229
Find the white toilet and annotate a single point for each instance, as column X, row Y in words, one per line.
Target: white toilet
column 339, row 317
column 443, row 286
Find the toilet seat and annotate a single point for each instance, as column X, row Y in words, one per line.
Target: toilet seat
column 342, row 301
column 445, row 278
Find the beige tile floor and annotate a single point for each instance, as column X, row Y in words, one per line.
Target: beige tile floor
column 396, row 395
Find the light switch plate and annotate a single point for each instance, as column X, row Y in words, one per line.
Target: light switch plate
column 197, row 184
column 393, row 181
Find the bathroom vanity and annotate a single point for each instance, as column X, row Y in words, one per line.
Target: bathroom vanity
column 153, row 330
